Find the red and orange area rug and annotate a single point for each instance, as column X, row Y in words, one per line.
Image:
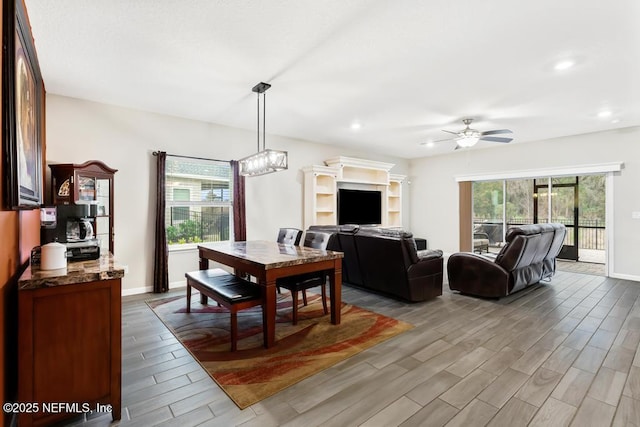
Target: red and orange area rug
column 253, row 373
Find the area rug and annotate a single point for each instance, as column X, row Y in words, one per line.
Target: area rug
column 253, row 373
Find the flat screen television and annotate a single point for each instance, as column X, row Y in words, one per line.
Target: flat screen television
column 359, row 207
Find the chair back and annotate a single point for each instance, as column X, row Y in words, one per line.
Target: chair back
column 289, row 236
column 524, row 253
column 385, row 260
column 316, row 239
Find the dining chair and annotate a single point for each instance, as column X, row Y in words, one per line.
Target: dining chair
column 302, row 282
column 289, row 236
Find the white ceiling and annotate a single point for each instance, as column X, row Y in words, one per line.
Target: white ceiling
column 404, row 70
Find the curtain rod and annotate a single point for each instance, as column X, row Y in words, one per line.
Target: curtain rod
column 155, row 153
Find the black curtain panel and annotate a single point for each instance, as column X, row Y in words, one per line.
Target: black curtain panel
column 239, row 215
column 161, row 264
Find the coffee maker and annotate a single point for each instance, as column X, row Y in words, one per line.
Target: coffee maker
column 74, row 228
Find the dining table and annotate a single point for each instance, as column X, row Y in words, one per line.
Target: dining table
column 269, row 261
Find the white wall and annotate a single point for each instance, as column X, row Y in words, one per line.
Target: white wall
column 434, row 190
column 124, row 139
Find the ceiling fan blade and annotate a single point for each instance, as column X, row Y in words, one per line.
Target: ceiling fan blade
column 444, row 140
column 496, row 132
column 495, row 139
column 448, row 131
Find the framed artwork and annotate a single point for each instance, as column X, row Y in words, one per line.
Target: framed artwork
column 22, row 109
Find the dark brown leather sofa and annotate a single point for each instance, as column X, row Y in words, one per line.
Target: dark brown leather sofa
column 528, row 257
column 386, row 261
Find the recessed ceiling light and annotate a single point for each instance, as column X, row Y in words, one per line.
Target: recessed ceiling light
column 564, row 65
column 355, row 126
column 604, row 114
column 428, row 144
column 615, row 121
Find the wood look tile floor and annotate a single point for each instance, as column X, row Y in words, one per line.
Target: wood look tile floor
column 564, row 353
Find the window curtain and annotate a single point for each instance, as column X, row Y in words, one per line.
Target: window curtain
column 161, row 260
column 239, row 215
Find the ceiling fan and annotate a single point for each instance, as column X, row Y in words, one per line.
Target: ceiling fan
column 469, row 137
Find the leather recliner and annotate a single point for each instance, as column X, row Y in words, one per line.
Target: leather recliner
column 528, row 257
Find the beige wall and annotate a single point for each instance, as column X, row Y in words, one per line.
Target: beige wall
column 124, row 139
column 434, row 190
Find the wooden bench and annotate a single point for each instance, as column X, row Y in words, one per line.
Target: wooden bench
column 227, row 290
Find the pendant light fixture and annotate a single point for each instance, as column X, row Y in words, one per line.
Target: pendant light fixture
column 267, row 160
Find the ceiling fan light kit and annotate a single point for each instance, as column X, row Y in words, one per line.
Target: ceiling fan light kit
column 468, row 141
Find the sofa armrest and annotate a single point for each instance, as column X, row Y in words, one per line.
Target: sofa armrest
column 427, row 264
column 425, row 276
column 477, row 275
column 429, row 254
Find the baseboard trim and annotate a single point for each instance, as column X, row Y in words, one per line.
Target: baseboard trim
column 136, row 291
column 149, row 289
column 631, row 277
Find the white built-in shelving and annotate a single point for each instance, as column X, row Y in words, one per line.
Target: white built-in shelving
column 320, row 205
column 394, row 201
column 322, row 182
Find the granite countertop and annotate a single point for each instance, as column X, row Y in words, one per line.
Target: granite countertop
column 271, row 254
column 104, row 268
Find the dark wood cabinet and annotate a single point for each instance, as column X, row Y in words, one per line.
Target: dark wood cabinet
column 69, row 350
column 87, row 183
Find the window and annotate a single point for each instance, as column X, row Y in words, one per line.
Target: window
column 180, row 213
column 488, row 211
column 519, row 205
column 199, row 200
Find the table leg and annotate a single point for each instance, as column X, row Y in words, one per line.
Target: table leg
column 269, row 313
column 335, row 288
column 204, row 265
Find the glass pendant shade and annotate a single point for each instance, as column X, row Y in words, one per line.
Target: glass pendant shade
column 264, row 162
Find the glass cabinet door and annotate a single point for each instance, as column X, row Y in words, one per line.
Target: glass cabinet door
column 103, row 223
column 102, row 233
column 102, row 196
column 86, row 189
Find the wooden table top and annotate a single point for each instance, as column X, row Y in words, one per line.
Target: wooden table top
column 271, row 254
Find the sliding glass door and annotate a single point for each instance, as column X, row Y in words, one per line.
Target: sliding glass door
column 488, row 215
column 559, row 202
column 576, row 202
